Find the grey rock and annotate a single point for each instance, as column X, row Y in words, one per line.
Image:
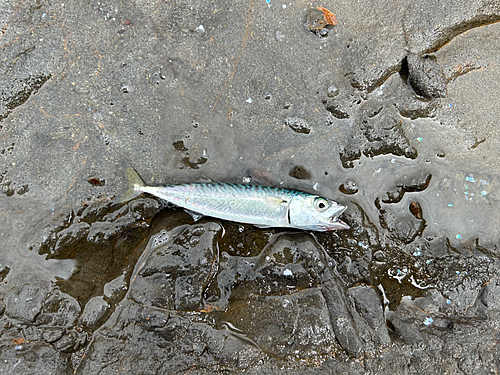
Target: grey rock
column 295, row 326
column 369, row 307
column 40, row 301
column 95, row 211
column 53, row 334
column 426, row 76
column 487, row 299
column 402, row 226
column 67, row 343
column 30, row 358
column 380, row 134
column 344, row 103
column 415, row 182
column 332, row 91
column 93, row 313
column 176, row 273
column 175, row 345
column 298, row 125
column 74, row 233
column 424, row 34
column 115, row 288
column 86, row 85
column 4, row 271
column 349, row 187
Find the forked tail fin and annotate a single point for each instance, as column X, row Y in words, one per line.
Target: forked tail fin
column 134, row 183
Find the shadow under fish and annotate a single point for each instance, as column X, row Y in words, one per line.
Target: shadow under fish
column 262, row 206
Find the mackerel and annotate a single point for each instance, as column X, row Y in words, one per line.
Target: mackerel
column 262, row 206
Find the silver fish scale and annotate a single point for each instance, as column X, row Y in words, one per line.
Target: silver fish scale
column 261, row 205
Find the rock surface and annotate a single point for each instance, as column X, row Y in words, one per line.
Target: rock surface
column 391, row 110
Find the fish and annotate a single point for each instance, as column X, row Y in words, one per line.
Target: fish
column 262, row 206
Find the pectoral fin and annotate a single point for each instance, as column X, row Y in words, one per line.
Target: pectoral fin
column 195, row 215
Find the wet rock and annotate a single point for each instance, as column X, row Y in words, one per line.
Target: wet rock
column 298, row 125
column 386, row 136
column 371, row 108
column 381, row 134
column 404, row 314
column 37, row 357
column 267, row 322
column 116, row 288
column 31, row 333
column 4, row 271
column 349, row 154
column 408, row 184
column 353, row 255
column 354, row 269
column 487, row 300
column 95, row 211
column 41, row 302
column 380, row 256
column 342, row 104
column 61, row 218
column 94, row 312
column 98, row 223
column 175, row 276
column 276, row 270
column 277, row 278
column 19, row 91
column 103, row 248
column 428, row 323
column 67, row 343
column 175, row 345
column 369, row 307
column 466, row 275
column 145, row 207
column 341, row 317
column 151, row 319
column 316, row 268
column 349, row 187
column 269, row 301
column 67, row 131
column 401, row 224
column 400, row 95
column 75, row 233
column 104, row 231
column 426, row 76
column 332, row 91
column 53, row 334
column 320, row 21
column 422, row 32
column 412, row 107
column 299, row 173
column 337, row 111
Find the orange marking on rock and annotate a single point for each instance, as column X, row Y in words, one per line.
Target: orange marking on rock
column 329, row 16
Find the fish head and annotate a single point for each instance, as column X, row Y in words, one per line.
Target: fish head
column 312, row 212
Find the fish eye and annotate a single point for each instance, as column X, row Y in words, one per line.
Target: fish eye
column 321, row 204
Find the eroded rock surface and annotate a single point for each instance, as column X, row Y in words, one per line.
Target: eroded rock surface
column 288, row 302
column 359, row 112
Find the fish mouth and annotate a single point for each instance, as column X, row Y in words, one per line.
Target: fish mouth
column 336, row 222
column 339, row 224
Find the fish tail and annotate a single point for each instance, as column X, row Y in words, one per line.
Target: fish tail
column 134, row 184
